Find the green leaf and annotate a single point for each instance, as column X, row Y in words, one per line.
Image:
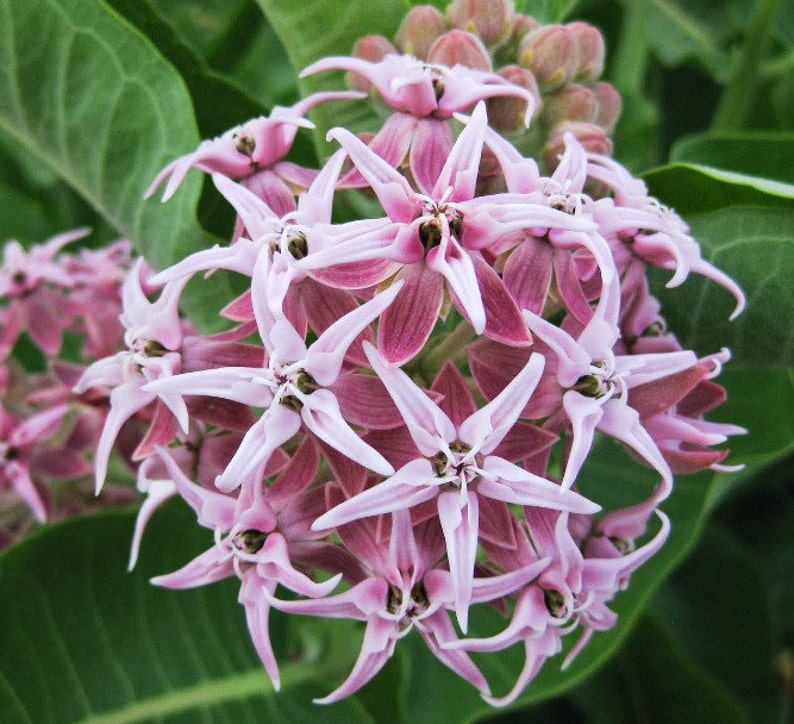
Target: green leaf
column 770, row 155
column 681, row 31
column 219, row 103
column 550, row 11
column 84, row 641
column 91, row 99
column 694, row 189
column 719, row 589
column 654, row 679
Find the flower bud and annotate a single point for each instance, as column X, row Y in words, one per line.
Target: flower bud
column 550, row 53
column 372, row 48
column 610, row 104
column 490, row 19
column 507, row 114
column 457, row 47
column 419, row 29
column 592, row 137
column 589, row 45
column 573, row 102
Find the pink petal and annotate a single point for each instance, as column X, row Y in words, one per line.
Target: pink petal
column 26, row 488
column 456, row 266
column 584, row 414
column 410, row 485
column 431, row 144
column 391, row 188
column 324, row 358
column 321, row 414
column 406, row 325
column 257, row 616
column 486, row 427
column 430, row 428
column 277, row 425
column 512, row 484
column 364, row 401
column 457, row 401
column 527, row 274
column 459, row 516
column 213, row 565
column 376, row 649
column 159, row 491
column 463, row 163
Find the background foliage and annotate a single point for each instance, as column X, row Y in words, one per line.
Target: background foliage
column 97, row 95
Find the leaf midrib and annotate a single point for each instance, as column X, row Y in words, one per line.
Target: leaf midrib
column 237, row 687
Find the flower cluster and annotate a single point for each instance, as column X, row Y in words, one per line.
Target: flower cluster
column 46, row 431
column 394, row 424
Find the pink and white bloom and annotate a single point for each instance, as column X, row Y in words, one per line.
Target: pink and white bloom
column 426, row 237
column 154, row 334
column 595, row 386
column 424, row 96
column 405, row 589
column 255, row 534
column 294, row 387
column 254, row 151
column 455, row 467
column 23, row 456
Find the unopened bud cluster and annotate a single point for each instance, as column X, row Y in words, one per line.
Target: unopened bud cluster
column 559, row 64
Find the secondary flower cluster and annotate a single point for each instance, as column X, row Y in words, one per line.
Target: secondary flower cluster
column 394, row 425
column 46, row 432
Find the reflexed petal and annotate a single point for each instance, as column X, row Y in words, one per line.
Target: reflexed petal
column 584, row 414
column 257, row 616
column 410, row 485
column 463, row 163
column 406, row 325
column 376, row 649
column 459, row 516
column 430, row 428
column 392, row 189
column 513, row 484
column 159, row 491
column 324, row 358
column 486, row 428
column 277, row 425
column 322, row 416
column 456, row 266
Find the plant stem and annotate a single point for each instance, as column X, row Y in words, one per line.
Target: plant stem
column 631, row 56
column 738, row 98
column 448, row 348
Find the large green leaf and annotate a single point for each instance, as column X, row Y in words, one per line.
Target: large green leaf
column 91, row 99
column 84, row 641
column 654, row 679
column 769, row 155
column 680, row 31
column 720, row 589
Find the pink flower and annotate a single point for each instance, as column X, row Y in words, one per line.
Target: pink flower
column 34, row 282
column 294, row 388
column 153, row 337
column 428, row 236
column 253, row 151
column 255, row 537
column 404, row 589
column 23, row 457
column 455, row 468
